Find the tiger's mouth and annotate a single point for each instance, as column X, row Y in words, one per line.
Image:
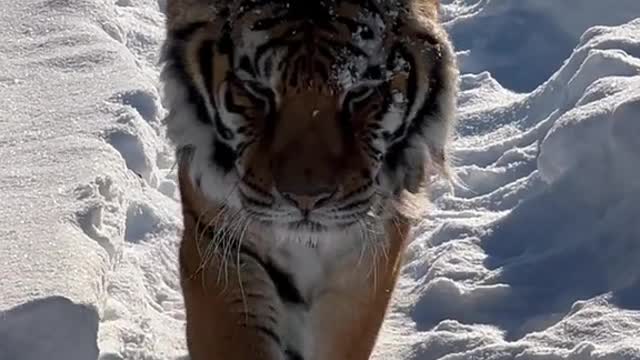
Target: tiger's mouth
column 311, row 214
column 307, row 225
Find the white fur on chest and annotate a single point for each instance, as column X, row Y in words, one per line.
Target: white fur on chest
column 306, row 268
column 310, row 257
column 309, row 260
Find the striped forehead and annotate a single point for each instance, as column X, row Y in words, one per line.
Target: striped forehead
column 334, row 42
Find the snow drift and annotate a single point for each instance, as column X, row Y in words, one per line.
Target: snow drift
column 531, row 256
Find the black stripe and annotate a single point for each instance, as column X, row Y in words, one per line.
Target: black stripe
column 299, row 66
column 395, row 155
column 428, row 110
column 271, row 45
column 430, row 106
column 358, row 190
column 175, row 67
column 256, row 203
column 206, row 66
column 373, row 73
column 265, row 202
column 243, row 146
column 353, row 204
column 174, row 57
column 245, row 64
column 261, row 216
column 282, row 281
column 358, row 97
column 247, row 180
column 256, row 296
column 387, row 103
column 292, row 51
column 225, row 44
column 244, row 130
column 321, row 69
column 267, row 68
column 222, row 129
column 346, row 126
column 269, row 333
column 186, row 32
column 399, row 50
column 269, row 320
column 373, row 150
column 292, row 355
column 223, row 155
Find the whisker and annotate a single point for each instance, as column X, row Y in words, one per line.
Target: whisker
column 233, row 227
column 200, row 237
column 247, row 223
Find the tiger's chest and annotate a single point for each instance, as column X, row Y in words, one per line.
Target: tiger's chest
column 304, row 276
column 305, row 269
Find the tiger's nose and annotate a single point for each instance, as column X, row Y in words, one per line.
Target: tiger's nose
column 305, row 188
column 305, row 173
column 307, row 203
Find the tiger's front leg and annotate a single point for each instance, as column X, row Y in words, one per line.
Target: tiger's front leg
column 232, row 308
column 233, row 315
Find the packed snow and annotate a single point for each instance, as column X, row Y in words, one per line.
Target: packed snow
column 532, row 254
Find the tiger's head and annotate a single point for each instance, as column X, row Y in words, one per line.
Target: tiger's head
column 308, row 115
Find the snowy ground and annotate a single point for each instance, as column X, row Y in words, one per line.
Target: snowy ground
column 533, row 255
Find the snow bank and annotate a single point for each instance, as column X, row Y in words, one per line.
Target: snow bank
column 85, row 233
column 523, row 42
column 533, row 256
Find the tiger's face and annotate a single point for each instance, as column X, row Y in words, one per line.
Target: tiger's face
column 308, row 116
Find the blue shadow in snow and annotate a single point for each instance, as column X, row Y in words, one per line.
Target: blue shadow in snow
column 520, row 47
column 576, row 240
column 52, row 328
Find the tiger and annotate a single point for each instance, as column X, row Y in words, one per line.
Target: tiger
column 306, row 132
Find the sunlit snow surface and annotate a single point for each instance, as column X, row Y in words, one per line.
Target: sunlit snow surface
column 534, row 255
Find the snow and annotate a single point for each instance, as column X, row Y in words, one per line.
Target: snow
column 532, row 255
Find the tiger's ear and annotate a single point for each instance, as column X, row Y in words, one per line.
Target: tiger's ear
column 427, row 8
